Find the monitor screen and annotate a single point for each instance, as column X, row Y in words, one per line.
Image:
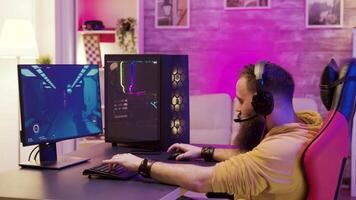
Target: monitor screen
column 132, row 93
column 59, row 102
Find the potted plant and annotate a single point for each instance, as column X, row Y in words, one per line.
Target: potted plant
column 126, row 34
column 44, row 59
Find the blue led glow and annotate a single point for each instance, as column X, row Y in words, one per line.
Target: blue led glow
column 132, row 81
column 27, row 73
column 154, row 104
column 92, row 72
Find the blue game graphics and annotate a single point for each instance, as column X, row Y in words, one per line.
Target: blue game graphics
column 59, row 102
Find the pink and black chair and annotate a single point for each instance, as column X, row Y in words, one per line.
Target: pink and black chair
column 324, row 158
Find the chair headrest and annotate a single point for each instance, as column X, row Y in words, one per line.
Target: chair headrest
column 345, row 92
column 338, row 87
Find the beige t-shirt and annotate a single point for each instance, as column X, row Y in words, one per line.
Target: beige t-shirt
column 273, row 169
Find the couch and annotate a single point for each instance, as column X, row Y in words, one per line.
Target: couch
column 211, row 117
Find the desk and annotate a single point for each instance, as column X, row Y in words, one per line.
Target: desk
column 69, row 183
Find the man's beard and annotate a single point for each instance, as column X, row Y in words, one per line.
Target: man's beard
column 250, row 133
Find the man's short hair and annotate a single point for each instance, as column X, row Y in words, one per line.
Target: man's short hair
column 275, row 80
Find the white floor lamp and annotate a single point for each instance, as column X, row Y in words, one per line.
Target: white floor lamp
column 17, row 40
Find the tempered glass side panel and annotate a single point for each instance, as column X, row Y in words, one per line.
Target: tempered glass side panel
column 132, row 98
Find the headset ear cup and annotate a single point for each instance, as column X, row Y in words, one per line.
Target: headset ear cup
column 262, row 103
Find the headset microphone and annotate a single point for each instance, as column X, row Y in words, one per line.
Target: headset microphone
column 237, row 120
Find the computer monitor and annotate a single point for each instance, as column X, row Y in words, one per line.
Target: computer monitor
column 146, row 100
column 58, row 102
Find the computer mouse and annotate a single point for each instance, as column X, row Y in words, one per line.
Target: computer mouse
column 173, row 155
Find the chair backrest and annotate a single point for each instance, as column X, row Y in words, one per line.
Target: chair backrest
column 210, row 119
column 325, row 156
column 304, row 104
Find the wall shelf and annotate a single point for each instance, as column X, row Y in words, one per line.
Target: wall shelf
column 98, row 32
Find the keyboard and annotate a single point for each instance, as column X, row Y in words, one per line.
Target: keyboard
column 104, row 171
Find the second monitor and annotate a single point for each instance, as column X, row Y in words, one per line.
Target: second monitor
column 146, row 100
column 58, row 102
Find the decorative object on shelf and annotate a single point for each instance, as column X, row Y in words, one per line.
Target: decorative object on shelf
column 126, row 34
column 172, row 13
column 247, row 4
column 324, row 13
column 92, row 48
column 44, row 59
column 93, row 25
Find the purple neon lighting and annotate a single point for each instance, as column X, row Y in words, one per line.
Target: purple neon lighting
column 132, row 81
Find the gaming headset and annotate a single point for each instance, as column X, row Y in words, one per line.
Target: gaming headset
column 262, row 101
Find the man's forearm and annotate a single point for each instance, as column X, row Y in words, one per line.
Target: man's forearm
column 191, row 177
column 225, row 154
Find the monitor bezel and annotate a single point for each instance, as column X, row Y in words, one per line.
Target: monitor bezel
column 22, row 117
column 147, row 144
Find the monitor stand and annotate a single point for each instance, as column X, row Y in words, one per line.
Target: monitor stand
column 49, row 160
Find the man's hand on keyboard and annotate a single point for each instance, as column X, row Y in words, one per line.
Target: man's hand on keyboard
column 127, row 160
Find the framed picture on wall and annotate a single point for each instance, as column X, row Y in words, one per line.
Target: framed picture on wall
column 247, row 4
column 172, row 13
column 324, row 13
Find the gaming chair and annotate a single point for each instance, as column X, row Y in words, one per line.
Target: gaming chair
column 324, row 159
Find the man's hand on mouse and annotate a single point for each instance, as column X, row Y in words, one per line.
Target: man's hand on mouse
column 189, row 151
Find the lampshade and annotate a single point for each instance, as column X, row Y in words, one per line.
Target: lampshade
column 18, row 39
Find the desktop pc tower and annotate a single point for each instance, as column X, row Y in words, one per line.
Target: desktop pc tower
column 146, row 100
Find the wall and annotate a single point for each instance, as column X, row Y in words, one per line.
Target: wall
column 109, row 12
column 103, row 10
column 219, row 42
column 9, row 118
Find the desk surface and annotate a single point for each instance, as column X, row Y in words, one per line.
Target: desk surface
column 69, row 183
